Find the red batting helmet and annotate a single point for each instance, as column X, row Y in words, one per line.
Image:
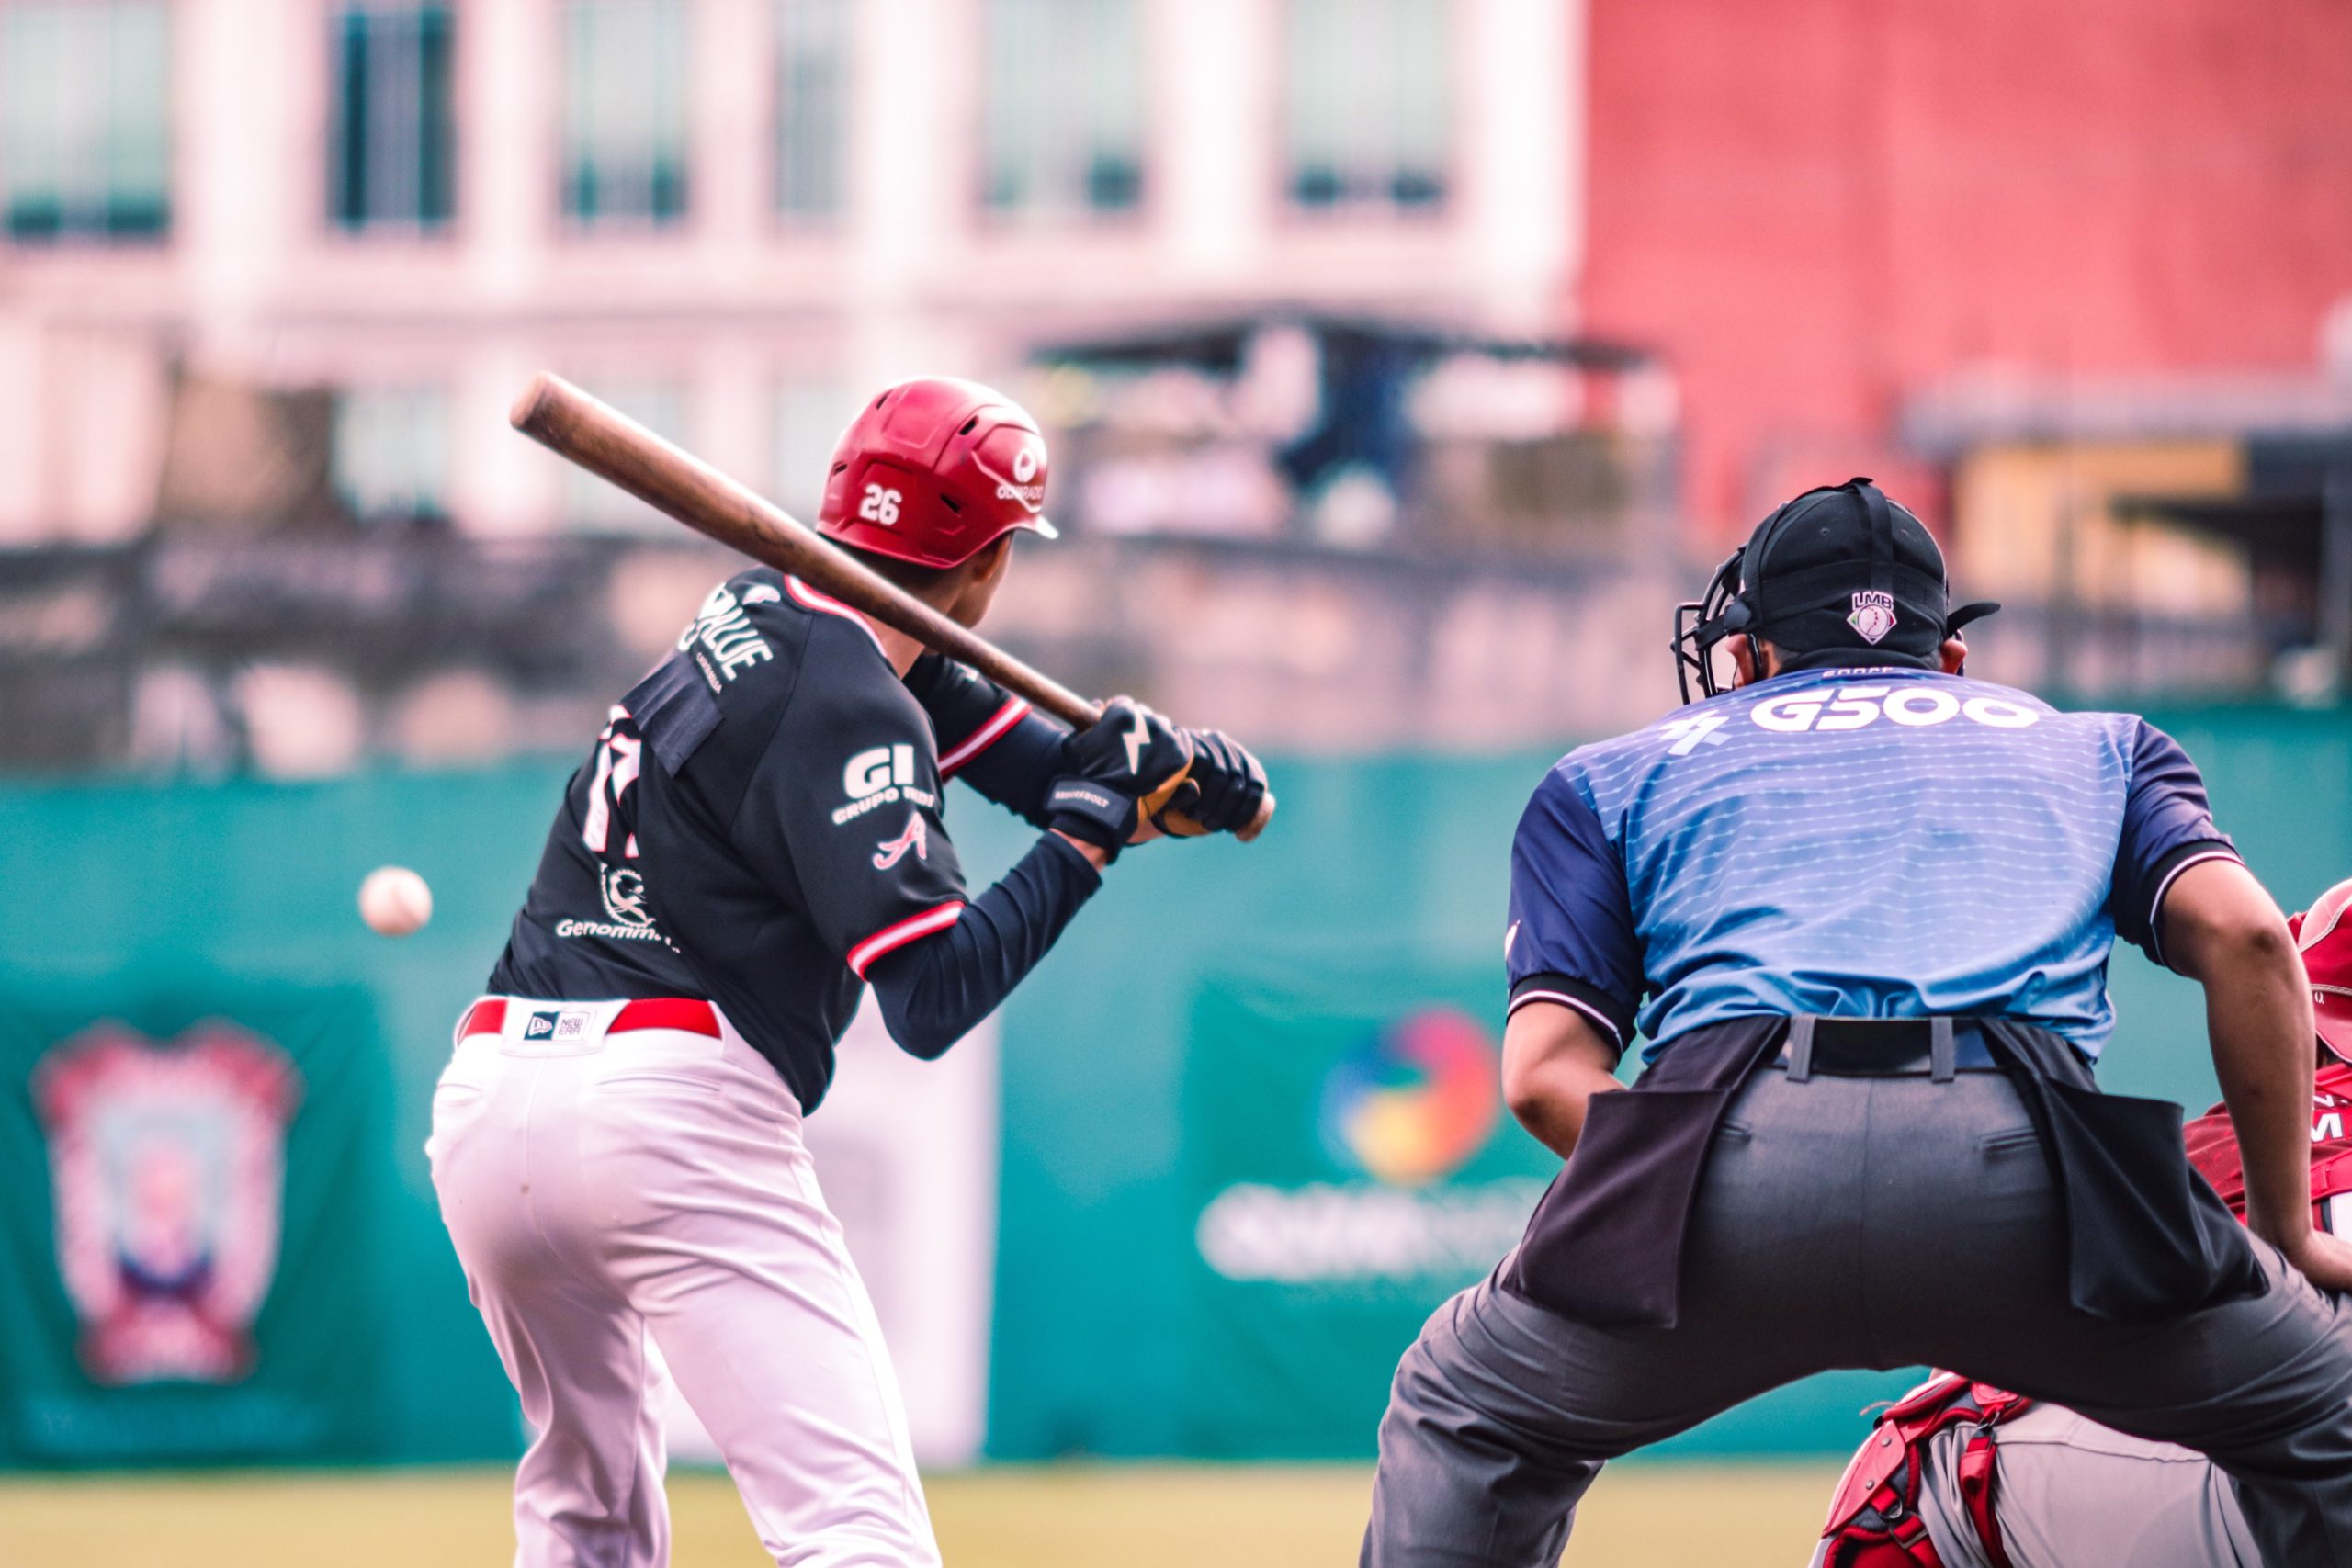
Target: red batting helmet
column 2324, row 933
column 931, row 471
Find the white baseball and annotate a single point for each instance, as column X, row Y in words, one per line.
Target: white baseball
column 394, row 900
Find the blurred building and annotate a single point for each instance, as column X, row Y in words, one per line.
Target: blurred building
column 730, row 216
column 2108, row 242
column 271, row 270
column 1402, row 359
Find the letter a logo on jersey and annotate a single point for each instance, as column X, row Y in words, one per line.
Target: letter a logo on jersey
column 1873, row 615
column 915, row 838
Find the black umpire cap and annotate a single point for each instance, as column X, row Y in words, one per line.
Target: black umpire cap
column 1838, row 571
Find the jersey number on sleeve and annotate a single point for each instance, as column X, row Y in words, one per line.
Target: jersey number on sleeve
column 618, row 756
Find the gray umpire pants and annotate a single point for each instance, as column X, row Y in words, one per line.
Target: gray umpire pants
column 1847, row 1222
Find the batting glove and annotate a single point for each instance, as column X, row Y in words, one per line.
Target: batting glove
column 1122, row 771
column 1221, row 793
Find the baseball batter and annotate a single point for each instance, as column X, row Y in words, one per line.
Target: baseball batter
column 1959, row 1475
column 757, row 837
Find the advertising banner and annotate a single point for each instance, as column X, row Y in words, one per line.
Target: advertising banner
column 1349, row 1166
column 190, row 1211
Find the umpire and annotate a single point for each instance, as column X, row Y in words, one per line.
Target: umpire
column 1861, row 905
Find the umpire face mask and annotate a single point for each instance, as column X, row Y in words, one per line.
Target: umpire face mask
column 1839, row 576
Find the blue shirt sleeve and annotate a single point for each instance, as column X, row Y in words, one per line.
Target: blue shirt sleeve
column 1571, row 938
column 2167, row 827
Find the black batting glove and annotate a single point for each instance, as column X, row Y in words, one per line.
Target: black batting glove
column 1223, row 792
column 1122, row 771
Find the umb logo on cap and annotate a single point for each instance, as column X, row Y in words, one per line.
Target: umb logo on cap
column 1873, row 615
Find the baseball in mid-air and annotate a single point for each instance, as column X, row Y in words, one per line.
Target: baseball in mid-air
column 394, row 900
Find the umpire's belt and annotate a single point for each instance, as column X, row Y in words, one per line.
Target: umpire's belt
column 1884, row 1047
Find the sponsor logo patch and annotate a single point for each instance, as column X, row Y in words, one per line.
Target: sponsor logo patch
column 611, row 933
column 623, row 891
column 892, row 851
column 564, row 1024
column 1025, row 486
column 1821, row 711
column 1872, row 616
column 877, row 777
column 723, row 638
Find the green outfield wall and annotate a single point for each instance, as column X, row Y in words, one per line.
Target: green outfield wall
column 1242, row 1150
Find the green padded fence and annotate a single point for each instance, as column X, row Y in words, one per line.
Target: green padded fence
column 1236, row 1051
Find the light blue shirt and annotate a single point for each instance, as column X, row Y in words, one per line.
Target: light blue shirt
column 1856, row 844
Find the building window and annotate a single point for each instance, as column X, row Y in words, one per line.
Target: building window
column 388, row 457
column 812, row 105
column 85, row 118
column 1064, row 108
column 1365, row 106
column 625, row 110
column 597, row 505
column 392, row 155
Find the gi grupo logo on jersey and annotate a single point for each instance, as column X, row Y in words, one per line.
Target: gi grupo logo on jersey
column 1402, row 1119
column 877, row 777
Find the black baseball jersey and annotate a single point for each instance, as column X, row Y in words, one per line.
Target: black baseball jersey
column 760, row 822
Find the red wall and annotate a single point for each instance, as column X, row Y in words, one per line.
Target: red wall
column 1818, row 206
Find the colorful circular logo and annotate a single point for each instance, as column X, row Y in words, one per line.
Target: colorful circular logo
column 1416, row 1101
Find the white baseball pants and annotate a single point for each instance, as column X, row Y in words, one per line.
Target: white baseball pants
column 624, row 1198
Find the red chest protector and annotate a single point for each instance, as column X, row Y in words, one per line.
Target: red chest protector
column 2213, row 1149
column 1875, row 1518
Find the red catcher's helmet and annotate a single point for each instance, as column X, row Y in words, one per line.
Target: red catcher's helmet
column 2324, row 933
column 931, row 471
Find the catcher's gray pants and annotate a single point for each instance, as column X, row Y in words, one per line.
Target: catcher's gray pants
column 1849, row 1222
column 2071, row 1491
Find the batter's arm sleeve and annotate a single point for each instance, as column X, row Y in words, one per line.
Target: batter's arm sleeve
column 933, row 992
column 1571, row 939
column 2167, row 828
column 991, row 739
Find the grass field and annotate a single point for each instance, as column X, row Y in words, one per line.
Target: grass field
column 1729, row 1515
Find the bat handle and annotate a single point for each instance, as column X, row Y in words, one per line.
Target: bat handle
column 1258, row 824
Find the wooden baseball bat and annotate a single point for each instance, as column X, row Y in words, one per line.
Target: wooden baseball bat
column 599, row 438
